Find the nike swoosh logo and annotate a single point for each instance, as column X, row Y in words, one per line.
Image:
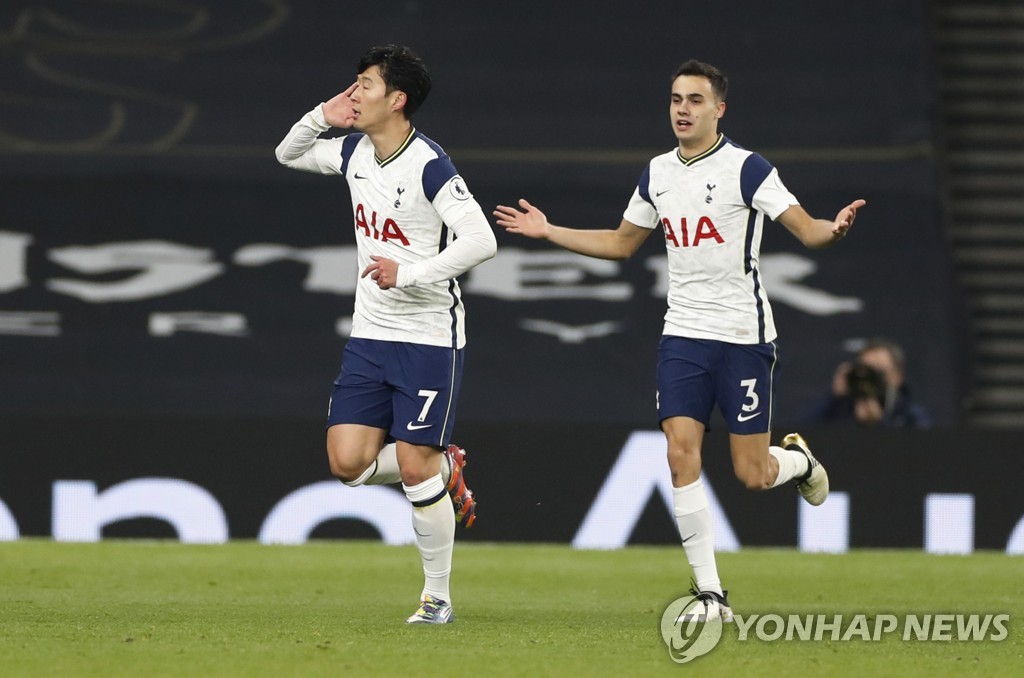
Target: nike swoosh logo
column 417, row 427
column 358, row 176
column 661, row 193
column 690, row 537
column 740, row 417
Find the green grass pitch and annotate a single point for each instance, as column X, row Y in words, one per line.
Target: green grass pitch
column 144, row 608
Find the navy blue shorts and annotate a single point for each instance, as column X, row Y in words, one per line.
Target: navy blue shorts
column 696, row 374
column 409, row 390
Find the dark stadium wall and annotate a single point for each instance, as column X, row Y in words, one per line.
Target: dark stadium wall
column 596, row 486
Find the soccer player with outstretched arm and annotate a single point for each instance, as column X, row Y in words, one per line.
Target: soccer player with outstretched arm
column 711, row 199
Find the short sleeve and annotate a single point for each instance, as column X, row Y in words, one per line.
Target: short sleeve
column 640, row 211
column 762, row 188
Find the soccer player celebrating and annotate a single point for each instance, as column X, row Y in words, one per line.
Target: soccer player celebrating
column 711, row 198
column 417, row 227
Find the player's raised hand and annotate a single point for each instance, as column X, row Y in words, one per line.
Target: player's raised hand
column 530, row 222
column 844, row 220
column 340, row 110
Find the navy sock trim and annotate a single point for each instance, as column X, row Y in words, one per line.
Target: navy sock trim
column 433, row 500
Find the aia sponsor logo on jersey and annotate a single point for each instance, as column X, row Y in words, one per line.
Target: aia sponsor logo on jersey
column 385, row 232
column 683, row 237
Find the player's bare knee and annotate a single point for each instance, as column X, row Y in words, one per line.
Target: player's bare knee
column 684, row 462
column 343, row 467
column 414, row 475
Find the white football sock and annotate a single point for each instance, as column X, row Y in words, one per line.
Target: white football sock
column 433, row 520
column 383, row 470
column 693, row 517
column 792, row 464
column 386, row 471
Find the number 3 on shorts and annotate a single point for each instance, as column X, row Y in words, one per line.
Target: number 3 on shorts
column 751, row 384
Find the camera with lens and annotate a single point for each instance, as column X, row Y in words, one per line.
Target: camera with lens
column 864, row 381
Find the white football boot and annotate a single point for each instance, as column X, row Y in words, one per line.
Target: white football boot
column 813, row 485
column 709, row 607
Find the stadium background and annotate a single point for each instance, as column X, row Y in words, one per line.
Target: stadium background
column 172, row 301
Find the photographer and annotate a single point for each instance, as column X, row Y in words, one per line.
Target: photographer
column 871, row 391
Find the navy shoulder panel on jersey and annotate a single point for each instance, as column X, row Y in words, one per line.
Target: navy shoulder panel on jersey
column 436, row 174
column 753, row 173
column 644, row 185
column 438, row 171
column 347, row 148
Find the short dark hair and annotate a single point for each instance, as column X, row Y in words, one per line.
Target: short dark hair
column 402, row 70
column 719, row 83
column 894, row 349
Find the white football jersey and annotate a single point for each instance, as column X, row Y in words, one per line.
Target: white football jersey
column 405, row 207
column 712, row 209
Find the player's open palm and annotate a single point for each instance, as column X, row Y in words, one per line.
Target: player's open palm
column 530, row 222
column 844, row 220
column 340, row 110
